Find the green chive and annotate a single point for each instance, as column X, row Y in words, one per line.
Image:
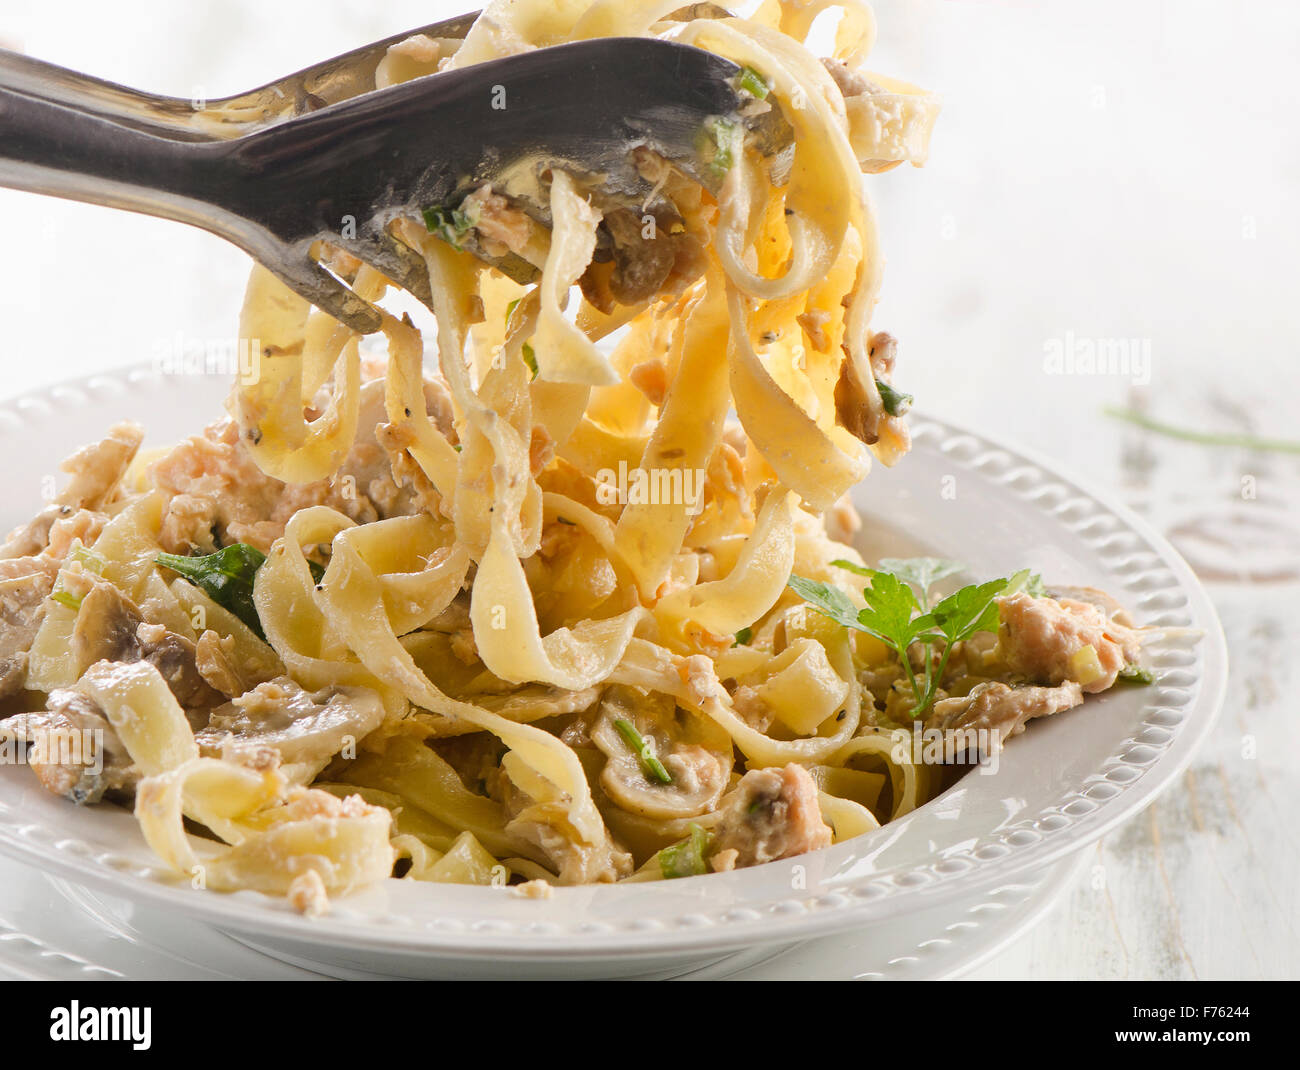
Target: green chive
column 650, row 765
column 895, row 401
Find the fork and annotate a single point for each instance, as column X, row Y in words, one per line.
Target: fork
column 315, row 158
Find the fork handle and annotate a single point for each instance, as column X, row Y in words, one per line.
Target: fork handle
column 56, row 149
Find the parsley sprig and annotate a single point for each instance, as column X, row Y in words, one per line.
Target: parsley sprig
column 899, row 612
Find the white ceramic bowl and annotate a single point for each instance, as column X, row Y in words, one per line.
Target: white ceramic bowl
column 1060, row 786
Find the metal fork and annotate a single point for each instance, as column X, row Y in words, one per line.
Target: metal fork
column 316, row 158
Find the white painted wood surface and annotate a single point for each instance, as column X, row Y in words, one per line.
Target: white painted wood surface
column 1203, row 885
column 1105, row 173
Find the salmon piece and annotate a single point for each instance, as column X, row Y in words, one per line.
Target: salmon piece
column 1044, row 639
column 771, row 814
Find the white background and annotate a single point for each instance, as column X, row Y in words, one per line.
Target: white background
column 1102, row 170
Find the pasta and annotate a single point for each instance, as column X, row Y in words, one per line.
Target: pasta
column 526, row 611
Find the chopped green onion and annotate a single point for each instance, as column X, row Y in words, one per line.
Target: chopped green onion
column 1205, row 438
column 686, row 859
column 88, row 558
column 744, row 636
column 450, row 224
column 1135, row 674
column 650, row 764
column 719, row 136
column 753, row 83
column 895, row 401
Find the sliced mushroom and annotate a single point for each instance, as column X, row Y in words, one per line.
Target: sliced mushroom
column 22, row 601
column 695, row 756
column 306, row 729
column 111, row 628
column 75, row 752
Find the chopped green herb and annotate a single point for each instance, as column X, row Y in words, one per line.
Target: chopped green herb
column 688, row 858
column 90, row 561
column 899, row 616
column 921, row 572
column 530, row 358
column 751, row 82
column 1030, row 583
column 88, row 558
column 1205, row 438
column 719, row 139
column 650, row 763
column 226, row 577
column 1135, row 674
column 895, row 401
column 450, row 224
column 744, row 636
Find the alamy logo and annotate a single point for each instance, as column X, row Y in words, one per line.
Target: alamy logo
column 227, row 357
column 1072, row 355
column 654, row 486
column 76, row 1022
column 57, row 746
column 953, row 746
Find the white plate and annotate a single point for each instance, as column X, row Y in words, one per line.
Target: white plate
column 54, row 930
column 1061, row 785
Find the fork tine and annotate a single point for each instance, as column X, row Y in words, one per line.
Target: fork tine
column 326, row 292
column 395, row 259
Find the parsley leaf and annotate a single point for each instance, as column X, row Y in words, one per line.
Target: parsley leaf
column 922, row 572
column 1030, row 583
column 827, row 600
column 888, row 616
column 898, row 612
column 970, row 610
